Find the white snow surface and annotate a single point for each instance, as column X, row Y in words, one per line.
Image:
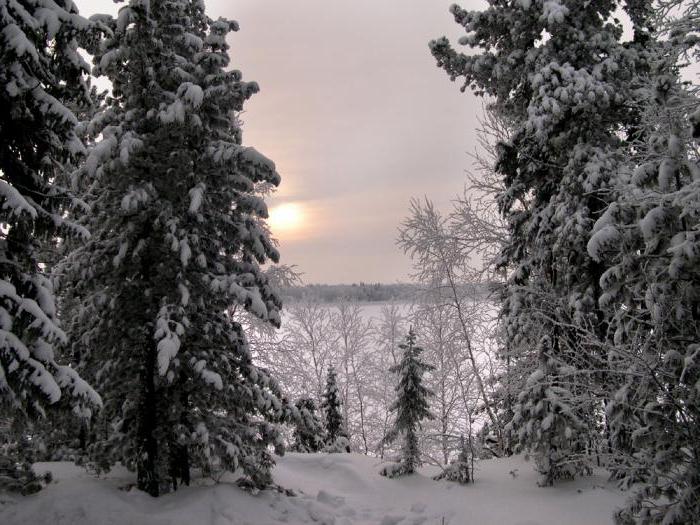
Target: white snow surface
column 337, row 489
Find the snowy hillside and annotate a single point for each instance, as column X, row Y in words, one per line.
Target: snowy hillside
column 339, row 489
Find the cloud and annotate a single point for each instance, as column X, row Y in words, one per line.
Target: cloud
column 357, row 118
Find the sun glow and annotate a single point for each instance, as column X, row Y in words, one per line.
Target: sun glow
column 286, row 219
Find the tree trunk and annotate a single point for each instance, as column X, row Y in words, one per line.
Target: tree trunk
column 470, row 352
column 147, row 453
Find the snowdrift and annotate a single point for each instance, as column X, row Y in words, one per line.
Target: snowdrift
column 331, row 489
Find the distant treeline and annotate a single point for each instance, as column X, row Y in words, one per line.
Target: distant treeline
column 363, row 292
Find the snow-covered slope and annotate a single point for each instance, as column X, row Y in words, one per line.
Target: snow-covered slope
column 339, row 489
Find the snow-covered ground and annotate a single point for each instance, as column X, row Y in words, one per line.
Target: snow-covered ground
column 338, row 489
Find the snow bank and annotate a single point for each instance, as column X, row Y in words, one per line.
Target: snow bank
column 331, row 489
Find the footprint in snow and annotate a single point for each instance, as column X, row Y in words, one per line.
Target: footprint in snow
column 321, row 517
column 418, row 508
column 330, row 499
column 349, row 511
column 391, row 520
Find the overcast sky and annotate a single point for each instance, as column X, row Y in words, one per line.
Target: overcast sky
column 357, row 118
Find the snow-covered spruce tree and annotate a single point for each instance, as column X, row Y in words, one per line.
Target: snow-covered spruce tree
column 309, row 434
column 332, row 405
column 41, row 76
column 411, row 406
column 177, row 239
column 560, row 73
column 650, row 242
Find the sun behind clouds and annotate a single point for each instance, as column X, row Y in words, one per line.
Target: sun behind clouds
column 287, row 219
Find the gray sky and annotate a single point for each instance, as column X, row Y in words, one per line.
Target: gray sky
column 356, row 116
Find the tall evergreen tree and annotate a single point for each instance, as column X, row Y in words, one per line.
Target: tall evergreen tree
column 42, row 75
column 650, row 244
column 411, row 405
column 560, row 72
column 332, row 405
column 178, row 238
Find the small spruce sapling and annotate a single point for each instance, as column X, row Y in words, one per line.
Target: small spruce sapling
column 309, row 434
column 411, row 407
column 336, row 436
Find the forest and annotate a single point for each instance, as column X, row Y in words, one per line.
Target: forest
column 147, row 322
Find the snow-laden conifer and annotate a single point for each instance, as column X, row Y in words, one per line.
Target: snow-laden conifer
column 543, row 417
column 42, row 76
column 309, row 434
column 560, row 72
column 411, row 406
column 178, row 238
column 649, row 242
column 332, row 405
